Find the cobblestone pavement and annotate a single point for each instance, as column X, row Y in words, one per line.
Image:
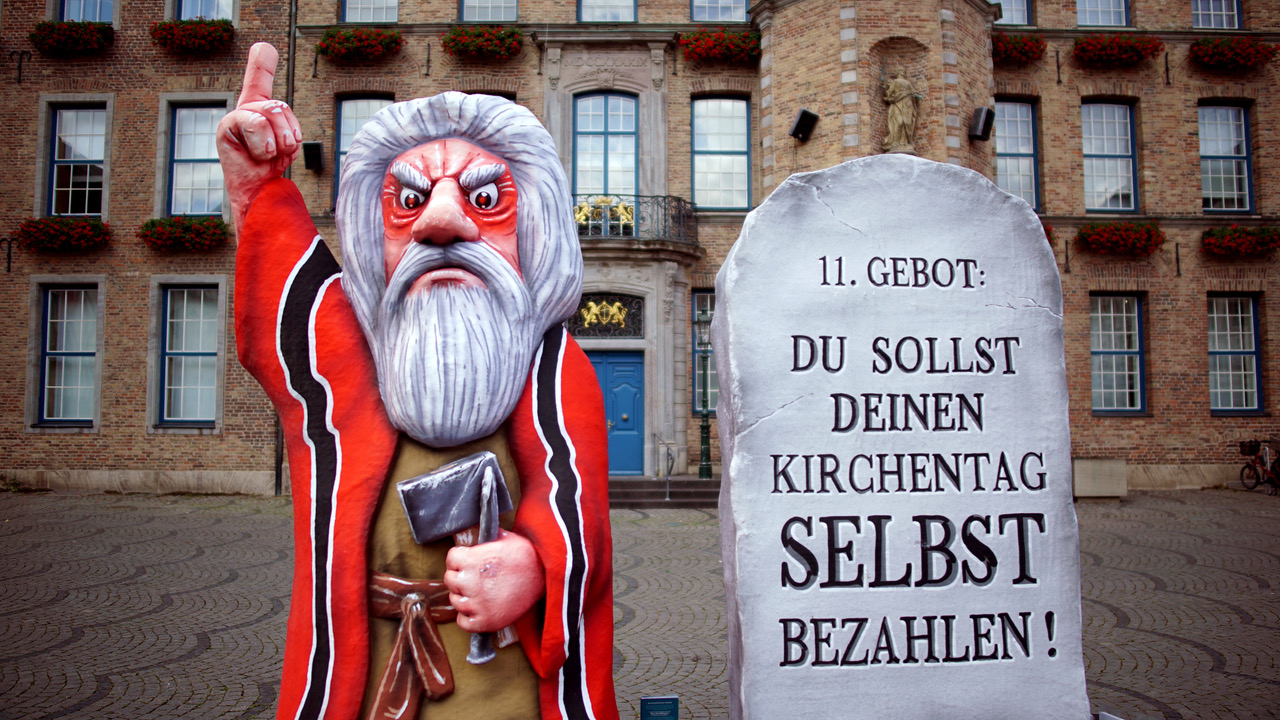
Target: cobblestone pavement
column 135, row 606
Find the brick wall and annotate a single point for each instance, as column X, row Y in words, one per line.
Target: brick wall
column 134, row 75
column 826, row 56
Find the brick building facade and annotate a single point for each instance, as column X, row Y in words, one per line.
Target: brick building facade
column 121, row 368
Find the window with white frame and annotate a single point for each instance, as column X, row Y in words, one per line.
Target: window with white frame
column 1110, row 167
column 1224, row 159
column 606, row 10
column 189, row 355
column 68, row 356
column 1115, row 347
column 721, row 153
column 77, row 176
column 1215, row 14
column 1102, row 12
column 195, row 176
column 370, row 11
column 87, row 10
column 706, row 383
column 352, row 115
column 1234, row 363
column 719, row 11
column 488, row 10
column 207, row 9
column 605, row 145
column 1015, row 138
column 1014, row 12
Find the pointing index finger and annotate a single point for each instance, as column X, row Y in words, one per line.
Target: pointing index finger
column 259, row 72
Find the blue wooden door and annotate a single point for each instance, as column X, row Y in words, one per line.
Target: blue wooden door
column 621, row 376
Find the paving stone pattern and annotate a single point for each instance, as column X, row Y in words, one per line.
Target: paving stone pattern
column 140, row 607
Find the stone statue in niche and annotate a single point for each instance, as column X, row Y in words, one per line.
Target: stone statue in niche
column 903, row 106
column 439, row 339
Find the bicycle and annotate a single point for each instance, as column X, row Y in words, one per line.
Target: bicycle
column 1260, row 468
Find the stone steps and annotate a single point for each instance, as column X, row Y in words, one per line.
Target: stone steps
column 645, row 492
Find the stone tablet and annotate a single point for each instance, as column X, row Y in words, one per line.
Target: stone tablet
column 896, row 515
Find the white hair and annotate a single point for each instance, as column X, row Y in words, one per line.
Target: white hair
column 550, row 256
column 550, row 260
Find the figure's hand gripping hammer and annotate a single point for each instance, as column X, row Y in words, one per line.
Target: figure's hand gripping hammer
column 451, row 500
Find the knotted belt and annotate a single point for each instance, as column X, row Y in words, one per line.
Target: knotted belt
column 417, row 664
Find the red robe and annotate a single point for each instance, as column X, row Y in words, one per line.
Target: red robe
column 298, row 336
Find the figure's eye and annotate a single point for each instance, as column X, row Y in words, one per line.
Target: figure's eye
column 485, row 197
column 411, row 199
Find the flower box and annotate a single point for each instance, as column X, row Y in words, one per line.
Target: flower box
column 1016, row 50
column 1122, row 238
column 1239, row 242
column 1231, row 54
column 62, row 234
column 193, row 37
column 720, row 46
column 1048, row 232
column 65, row 39
column 482, row 42
column 359, row 45
column 1115, row 51
column 183, row 234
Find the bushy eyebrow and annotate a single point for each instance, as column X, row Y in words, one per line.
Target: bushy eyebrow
column 409, row 177
column 481, row 176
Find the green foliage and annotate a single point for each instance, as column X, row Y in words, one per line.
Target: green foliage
column 193, row 37
column 61, row 234
column 1121, row 238
column 488, row 42
column 721, row 46
column 359, row 45
column 183, row 234
column 65, row 39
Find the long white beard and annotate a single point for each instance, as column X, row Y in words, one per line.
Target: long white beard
column 452, row 361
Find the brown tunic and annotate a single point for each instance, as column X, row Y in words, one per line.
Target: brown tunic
column 505, row 688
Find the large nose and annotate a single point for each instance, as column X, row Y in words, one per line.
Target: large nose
column 445, row 220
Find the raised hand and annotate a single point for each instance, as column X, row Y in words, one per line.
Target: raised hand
column 260, row 138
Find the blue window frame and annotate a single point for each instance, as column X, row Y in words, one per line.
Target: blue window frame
column 352, row 115
column 77, row 170
column 1110, row 162
column 1225, row 168
column 189, row 356
column 1017, row 167
column 1235, row 362
column 208, row 9
column 370, row 11
column 1014, row 12
column 718, row 10
column 605, row 145
column 1215, row 14
column 706, row 382
column 481, row 11
column 721, row 153
column 86, row 10
column 1116, row 353
column 606, row 10
column 69, row 356
column 195, row 175
column 1106, row 13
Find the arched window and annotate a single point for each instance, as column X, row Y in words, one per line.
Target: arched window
column 604, row 144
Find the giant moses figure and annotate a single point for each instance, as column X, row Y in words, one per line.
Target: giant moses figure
column 440, row 336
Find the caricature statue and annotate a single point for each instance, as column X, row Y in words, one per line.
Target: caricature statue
column 439, row 338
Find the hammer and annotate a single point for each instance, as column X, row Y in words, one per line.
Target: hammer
column 451, row 500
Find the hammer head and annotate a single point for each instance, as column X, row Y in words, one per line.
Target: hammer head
column 450, row 498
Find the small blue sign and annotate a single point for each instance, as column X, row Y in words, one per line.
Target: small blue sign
column 666, row 707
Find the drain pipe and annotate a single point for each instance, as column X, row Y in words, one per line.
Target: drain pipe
column 293, row 42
